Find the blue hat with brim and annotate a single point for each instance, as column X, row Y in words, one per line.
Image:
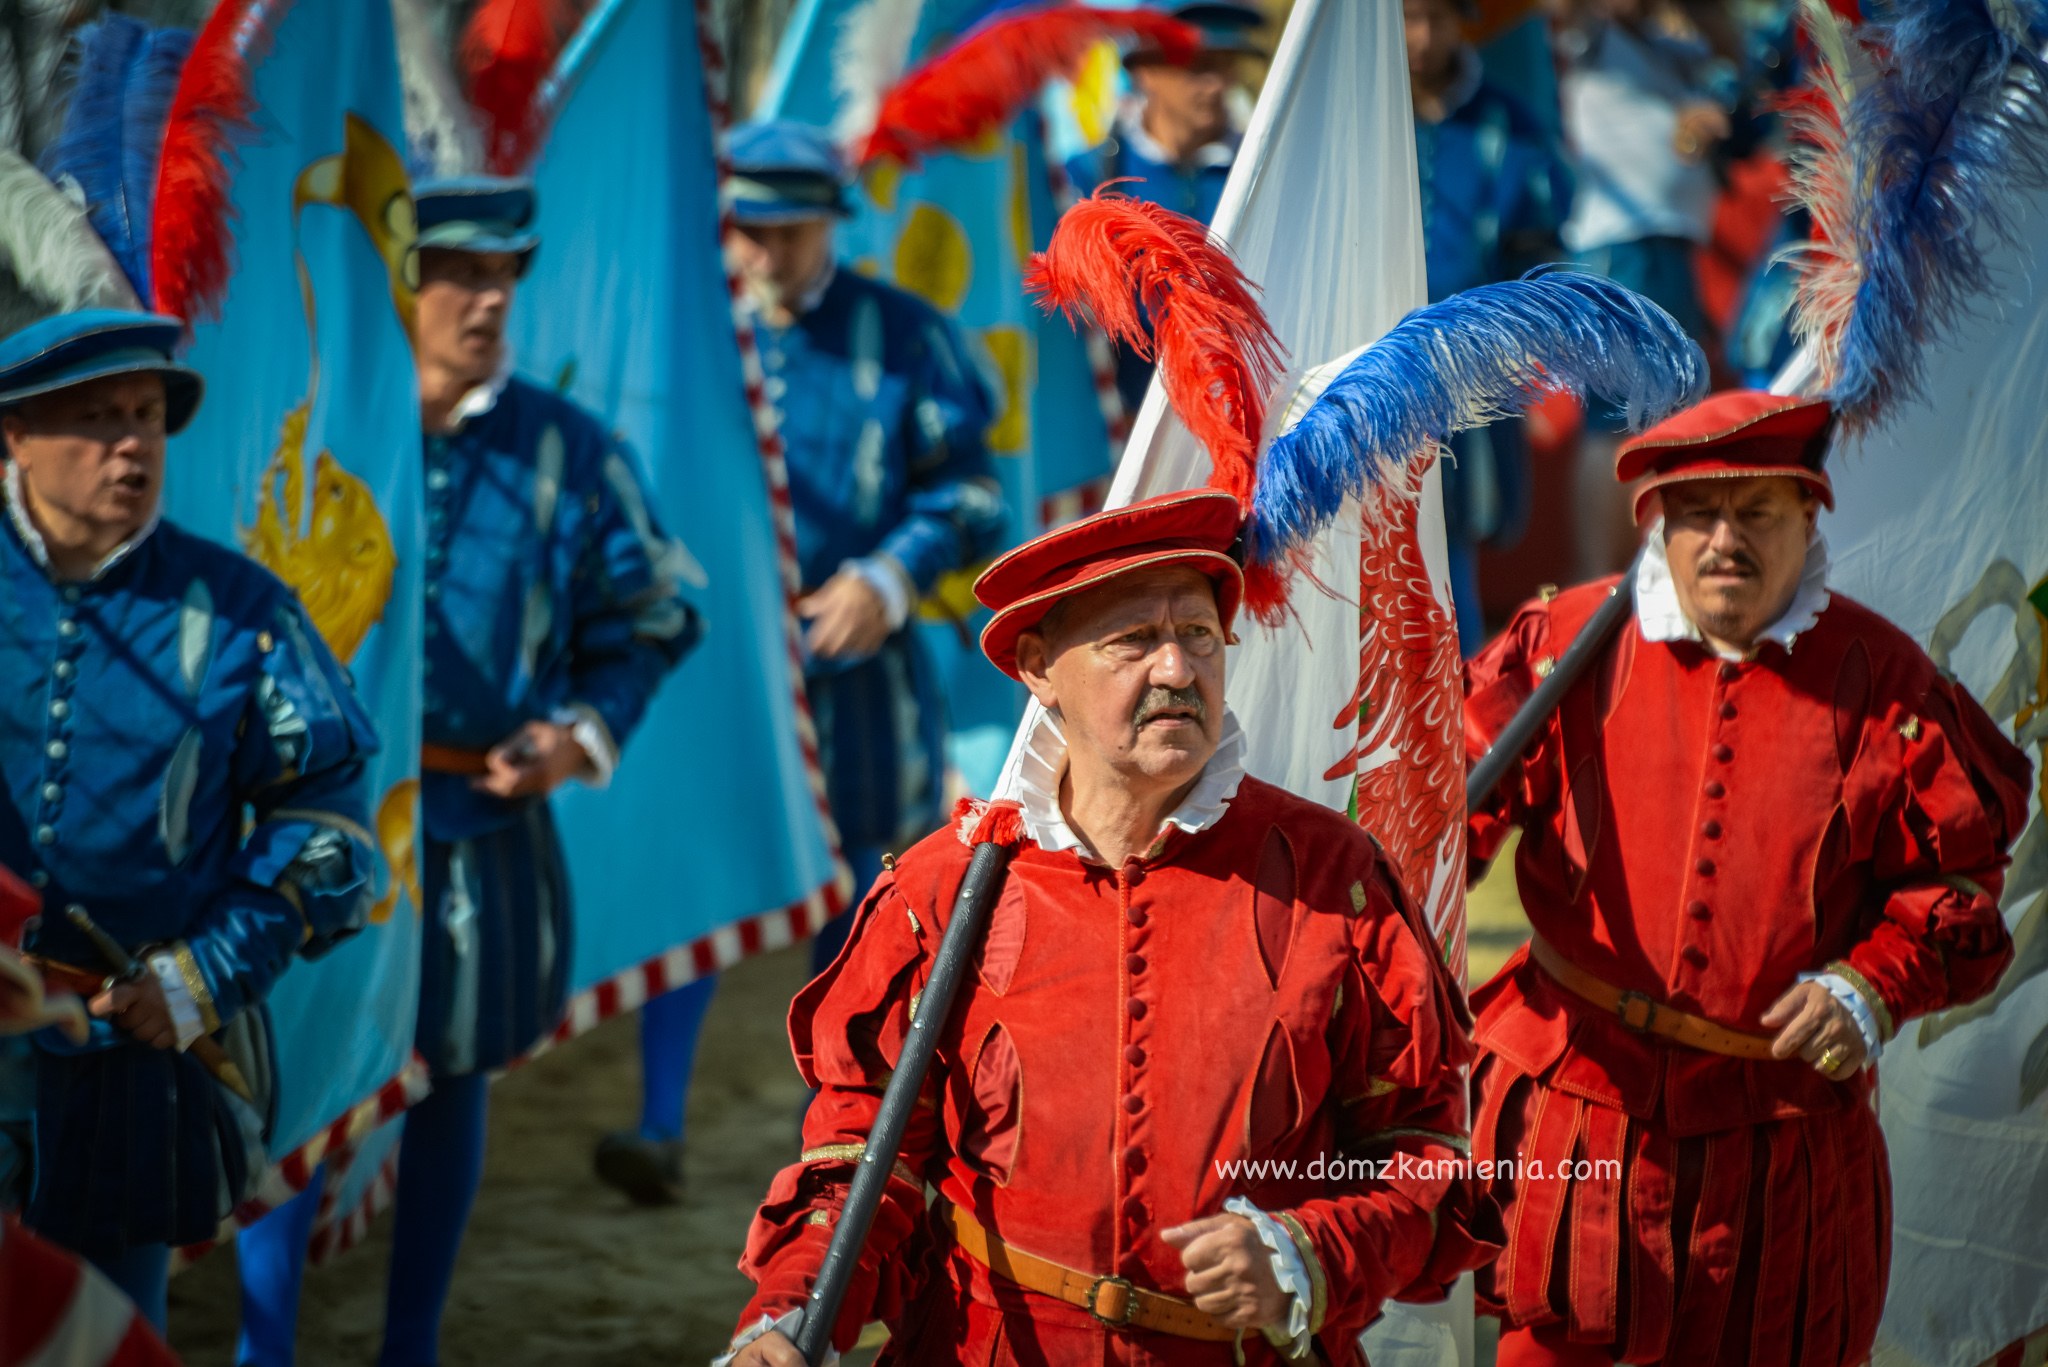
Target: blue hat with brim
column 92, row 344
column 780, row 171
column 1224, row 27
column 477, row 214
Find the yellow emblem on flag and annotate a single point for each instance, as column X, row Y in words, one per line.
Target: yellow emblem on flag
column 933, row 258
column 397, row 837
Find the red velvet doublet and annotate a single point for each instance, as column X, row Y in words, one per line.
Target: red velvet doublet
column 1258, row 992
column 1702, row 832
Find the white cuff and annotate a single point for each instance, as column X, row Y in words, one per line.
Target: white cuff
column 184, row 1011
column 1842, row 991
column 590, row 732
column 785, row 1326
column 1289, row 1270
column 890, row 581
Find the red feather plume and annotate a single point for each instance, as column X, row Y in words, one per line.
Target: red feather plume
column 983, row 81
column 191, row 247
column 1125, row 261
column 508, row 50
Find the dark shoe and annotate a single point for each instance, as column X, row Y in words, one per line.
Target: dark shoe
column 649, row 1171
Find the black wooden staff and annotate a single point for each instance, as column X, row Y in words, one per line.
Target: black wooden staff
column 971, row 907
column 1514, row 738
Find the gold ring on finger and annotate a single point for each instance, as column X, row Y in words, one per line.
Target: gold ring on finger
column 1830, row 1059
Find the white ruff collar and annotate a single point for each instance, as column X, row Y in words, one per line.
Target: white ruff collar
column 1044, row 763
column 484, row 397
column 1661, row 618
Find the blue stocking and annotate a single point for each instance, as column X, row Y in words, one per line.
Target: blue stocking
column 272, row 1257
column 440, row 1166
column 143, row 1273
column 669, row 1026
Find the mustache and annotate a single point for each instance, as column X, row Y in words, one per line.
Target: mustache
column 1716, row 563
column 1158, row 700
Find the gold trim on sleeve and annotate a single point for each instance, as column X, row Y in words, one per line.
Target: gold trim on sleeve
column 1319, row 1300
column 1375, row 1088
column 854, row 1153
column 195, row 983
column 1872, row 998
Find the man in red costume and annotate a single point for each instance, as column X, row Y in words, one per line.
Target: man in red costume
column 1198, row 996
column 1761, row 834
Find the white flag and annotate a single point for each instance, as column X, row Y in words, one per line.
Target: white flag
column 1942, row 526
column 1322, row 210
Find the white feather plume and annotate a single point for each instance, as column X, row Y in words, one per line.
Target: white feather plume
column 46, row 243
column 439, row 124
column 869, row 55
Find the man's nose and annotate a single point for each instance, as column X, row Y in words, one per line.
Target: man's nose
column 1170, row 667
column 1724, row 538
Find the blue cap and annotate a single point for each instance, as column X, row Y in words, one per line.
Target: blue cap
column 1224, row 26
column 783, row 172
column 91, row 344
column 477, row 214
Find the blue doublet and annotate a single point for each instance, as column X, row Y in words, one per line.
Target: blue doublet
column 551, row 594
column 183, row 759
column 883, row 420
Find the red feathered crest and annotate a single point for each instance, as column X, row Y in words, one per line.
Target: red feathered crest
column 983, row 81
column 508, row 50
column 1124, row 260
column 190, row 246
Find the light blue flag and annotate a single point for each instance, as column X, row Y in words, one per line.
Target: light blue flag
column 306, row 455
column 710, row 841
column 959, row 231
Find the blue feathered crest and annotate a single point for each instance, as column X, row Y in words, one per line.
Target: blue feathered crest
column 1467, row 361
column 126, row 74
column 1930, row 123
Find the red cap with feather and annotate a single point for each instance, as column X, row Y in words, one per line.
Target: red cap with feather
column 1196, row 529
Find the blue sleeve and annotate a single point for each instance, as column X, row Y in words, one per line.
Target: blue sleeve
column 1086, row 170
column 955, row 507
column 303, row 879
column 632, row 623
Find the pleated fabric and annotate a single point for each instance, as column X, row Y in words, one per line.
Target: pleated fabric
column 494, row 958
column 1763, row 1245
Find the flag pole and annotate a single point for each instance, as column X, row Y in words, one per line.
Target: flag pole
column 1514, row 738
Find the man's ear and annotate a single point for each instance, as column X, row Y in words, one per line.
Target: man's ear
column 1034, row 662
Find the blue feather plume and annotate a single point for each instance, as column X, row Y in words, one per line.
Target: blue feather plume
column 1932, row 149
column 1469, row 360
column 127, row 73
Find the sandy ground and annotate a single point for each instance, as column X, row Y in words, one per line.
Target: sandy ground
column 558, row 1269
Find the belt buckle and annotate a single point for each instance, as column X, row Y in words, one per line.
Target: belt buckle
column 1130, row 1301
column 1627, row 999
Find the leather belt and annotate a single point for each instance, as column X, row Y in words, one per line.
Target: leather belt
column 1113, row 1301
column 447, row 759
column 1646, row 1015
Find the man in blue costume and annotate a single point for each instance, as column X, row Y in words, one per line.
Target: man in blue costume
column 184, row 767
column 1495, row 193
column 1177, row 138
column 553, row 611
column 882, row 415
